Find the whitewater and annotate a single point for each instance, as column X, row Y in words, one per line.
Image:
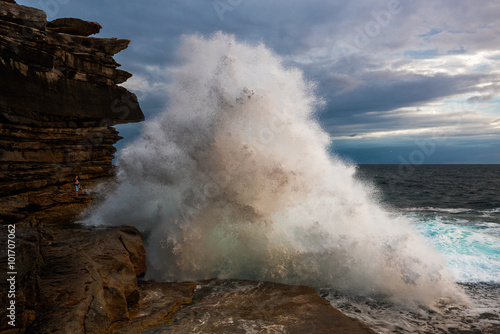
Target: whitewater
column 234, row 180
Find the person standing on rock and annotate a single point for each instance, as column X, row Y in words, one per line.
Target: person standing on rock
column 77, row 185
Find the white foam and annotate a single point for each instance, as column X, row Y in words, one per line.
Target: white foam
column 496, row 210
column 234, row 180
column 445, row 210
column 472, row 249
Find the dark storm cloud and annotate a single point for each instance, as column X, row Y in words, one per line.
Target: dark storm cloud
column 369, row 57
column 386, row 91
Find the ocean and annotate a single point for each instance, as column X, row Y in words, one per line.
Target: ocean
column 457, row 209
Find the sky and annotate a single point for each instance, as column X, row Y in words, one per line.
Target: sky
column 405, row 81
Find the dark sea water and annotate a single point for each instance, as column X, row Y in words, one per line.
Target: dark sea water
column 469, row 190
column 457, row 209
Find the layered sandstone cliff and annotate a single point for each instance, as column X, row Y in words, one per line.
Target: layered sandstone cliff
column 59, row 98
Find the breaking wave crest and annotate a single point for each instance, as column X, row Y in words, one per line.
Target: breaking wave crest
column 234, row 180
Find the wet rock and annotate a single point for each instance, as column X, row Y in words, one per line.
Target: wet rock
column 236, row 306
column 133, row 243
column 157, row 306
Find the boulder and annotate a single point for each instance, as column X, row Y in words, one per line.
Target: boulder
column 88, row 279
column 74, row 26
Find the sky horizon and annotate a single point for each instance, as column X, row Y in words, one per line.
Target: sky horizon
column 403, row 81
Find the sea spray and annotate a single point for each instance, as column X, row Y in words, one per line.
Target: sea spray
column 234, row 180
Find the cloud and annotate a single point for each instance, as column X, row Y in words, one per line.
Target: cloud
column 386, row 90
column 400, row 56
column 459, row 121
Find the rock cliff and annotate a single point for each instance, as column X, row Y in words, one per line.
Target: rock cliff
column 59, row 100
